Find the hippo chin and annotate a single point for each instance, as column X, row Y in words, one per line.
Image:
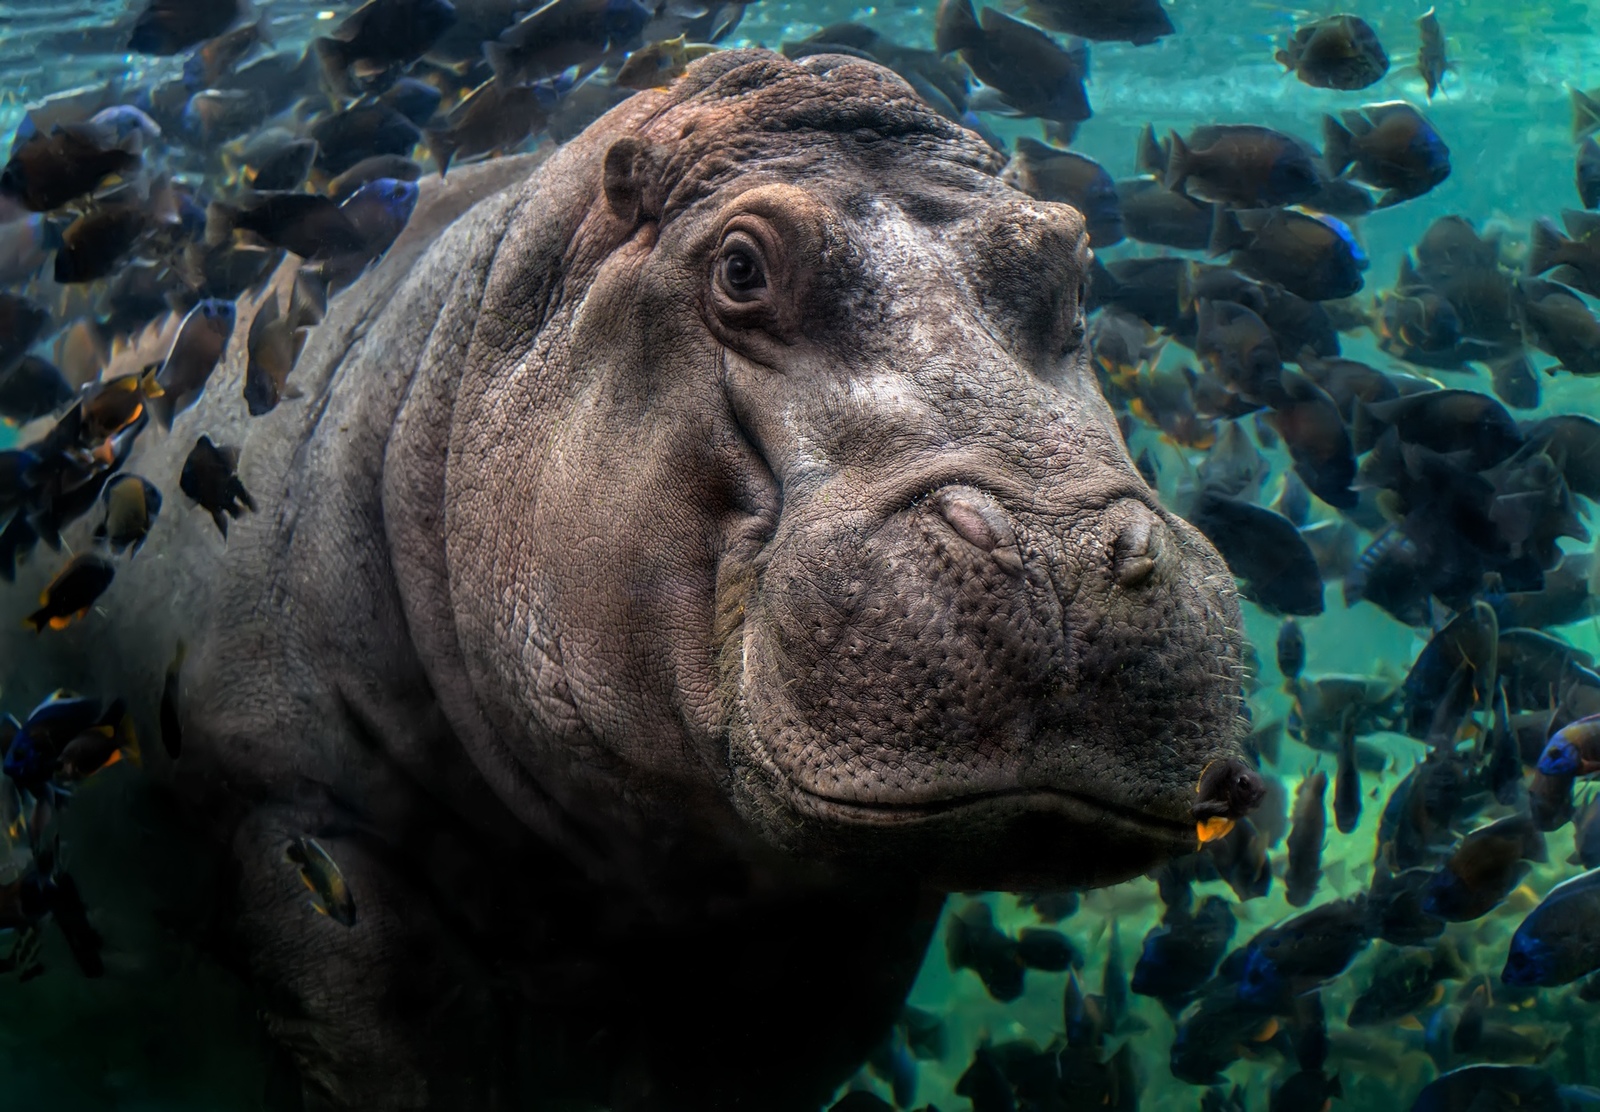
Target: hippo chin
column 690, row 555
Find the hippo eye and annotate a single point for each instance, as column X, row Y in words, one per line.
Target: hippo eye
column 740, row 272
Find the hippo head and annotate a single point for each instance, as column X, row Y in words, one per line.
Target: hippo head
column 836, row 540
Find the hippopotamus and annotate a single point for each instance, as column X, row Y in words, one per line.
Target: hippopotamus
column 689, row 555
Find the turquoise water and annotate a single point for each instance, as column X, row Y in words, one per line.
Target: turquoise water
column 166, row 1029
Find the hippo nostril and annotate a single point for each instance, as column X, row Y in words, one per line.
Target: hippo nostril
column 981, row 523
column 1134, row 554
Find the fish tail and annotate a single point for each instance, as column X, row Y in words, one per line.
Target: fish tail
column 222, row 522
column 1338, row 145
column 1150, row 158
column 1547, row 248
column 264, row 30
column 503, row 61
column 1585, row 115
column 957, row 27
column 220, row 219
column 39, row 620
column 1226, row 232
column 1177, row 171
column 334, row 65
column 442, row 145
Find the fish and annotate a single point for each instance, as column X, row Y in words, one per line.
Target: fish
column 210, row 479
column 1431, row 60
column 95, row 244
column 1391, row 146
column 111, row 740
column 196, row 350
column 1291, row 649
column 1405, row 980
column 1586, row 834
column 49, row 170
column 1555, row 945
column 35, row 746
column 1525, row 1088
column 166, row 27
column 1139, row 22
column 392, row 166
column 984, row 1084
column 71, row 593
column 213, row 62
column 1319, row 444
column 1484, row 869
column 379, row 211
column 1471, row 640
column 1578, row 252
column 32, row 388
column 1031, row 72
column 1313, row 257
column 564, row 33
column 1560, row 324
column 1292, row 958
column 1588, row 173
column 132, row 506
column 413, row 98
column 1180, row 954
column 212, row 117
column 1052, row 174
column 366, row 130
column 1242, row 166
column 378, row 38
column 1152, row 213
column 1347, row 780
column 273, row 349
column 330, row 892
column 1047, row 950
column 117, row 404
column 21, row 323
column 659, row 64
column 491, row 117
column 1339, row 52
column 285, row 168
column 1306, row 834
column 1585, row 114
column 310, row 225
column 1214, row 1031
column 1238, row 346
column 972, row 941
column 1263, row 549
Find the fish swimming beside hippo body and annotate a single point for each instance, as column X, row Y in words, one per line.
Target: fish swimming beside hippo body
column 686, row 555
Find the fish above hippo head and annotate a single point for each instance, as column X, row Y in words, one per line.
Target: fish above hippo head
column 819, row 512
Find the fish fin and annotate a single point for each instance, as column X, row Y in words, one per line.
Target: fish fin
column 1409, row 1023
column 1338, row 145
column 331, row 60
column 1547, row 247
column 1150, row 157
column 502, row 61
column 442, row 146
column 1585, row 115
column 956, row 27
column 1227, row 234
column 222, row 522
column 1177, row 171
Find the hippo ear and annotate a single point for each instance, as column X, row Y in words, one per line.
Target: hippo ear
column 631, row 171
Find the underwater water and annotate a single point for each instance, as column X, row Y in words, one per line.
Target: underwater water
column 1476, row 515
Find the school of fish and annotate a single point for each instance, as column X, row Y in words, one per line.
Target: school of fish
column 1454, row 967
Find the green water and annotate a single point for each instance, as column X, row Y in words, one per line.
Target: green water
column 184, row 1036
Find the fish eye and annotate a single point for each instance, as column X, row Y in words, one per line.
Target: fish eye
column 739, row 270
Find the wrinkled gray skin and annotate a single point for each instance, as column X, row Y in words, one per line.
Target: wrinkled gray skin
column 642, row 653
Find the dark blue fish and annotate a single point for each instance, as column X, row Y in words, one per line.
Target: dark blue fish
column 1284, row 961
column 1484, row 869
column 1392, row 146
column 1182, row 953
column 1558, row 942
